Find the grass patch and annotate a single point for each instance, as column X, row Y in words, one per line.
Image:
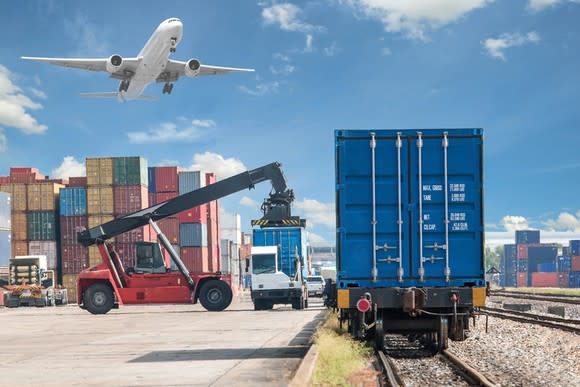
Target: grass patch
column 566, row 292
column 339, row 356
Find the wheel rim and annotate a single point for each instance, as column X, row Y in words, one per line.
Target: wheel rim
column 214, row 296
column 99, row 298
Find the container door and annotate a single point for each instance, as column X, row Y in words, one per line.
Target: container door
column 446, row 192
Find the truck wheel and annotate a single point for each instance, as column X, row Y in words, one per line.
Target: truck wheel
column 215, row 295
column 98, row 298
column 258, row 305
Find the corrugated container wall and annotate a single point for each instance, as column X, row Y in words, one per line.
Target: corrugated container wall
column 99, row 171
column 151, row 180
column 19, row 223
column 166, row 179
column 5, row 211
column 80, row 181
column 74, row 256
column 190, row 181
column 18, row 197
column 291, row 240
column 42, row 196
column 575, row 264
column 433, row 177
column 130, row 171
column 543, row 253
column 69, row 281
column 41, row 226
column 19, row 248
column 193, row 235
column 47, row 248
column 129, row 199
column 170, row 227
column 73, row 201
column 574, row 279
column 100, row 200
column 527, row 236
column 575, row 247
column 195, row 258
column 564, row 263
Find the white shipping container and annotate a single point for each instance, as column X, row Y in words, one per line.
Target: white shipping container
column 47, row 248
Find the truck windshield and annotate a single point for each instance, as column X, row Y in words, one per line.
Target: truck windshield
column 263, row 263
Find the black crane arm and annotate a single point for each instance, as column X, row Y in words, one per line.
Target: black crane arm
column 239, row 182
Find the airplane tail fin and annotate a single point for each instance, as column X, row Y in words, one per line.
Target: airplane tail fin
column 114, row 94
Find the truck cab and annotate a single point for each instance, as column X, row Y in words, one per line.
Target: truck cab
column 272, row 286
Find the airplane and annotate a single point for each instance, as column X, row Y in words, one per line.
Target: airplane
column 151, row 64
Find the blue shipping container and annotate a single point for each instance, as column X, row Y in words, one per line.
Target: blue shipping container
column 190, row 181
column 564, row 264
column 151, row 179
column 547, row 267
column 193, row 235
column 73, row 201
column 575, row 247
column 291, row 240
column 524, row 237
column 574, row 278
column 425, row 187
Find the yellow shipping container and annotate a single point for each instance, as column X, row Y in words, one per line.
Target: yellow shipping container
column 69, row 281
column 19, row 223
column 94, row 256
column 99, row 171
column 100, row 200
column 43, row 196
column 19, row 248
column 96, row 220
column 17, row 193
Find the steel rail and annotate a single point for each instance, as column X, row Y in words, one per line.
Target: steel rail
column 575, row 300
column 532, row 319
column 390, row 372
column 468, row 372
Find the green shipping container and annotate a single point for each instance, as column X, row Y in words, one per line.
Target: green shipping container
column 41, row 226
column 129, row 171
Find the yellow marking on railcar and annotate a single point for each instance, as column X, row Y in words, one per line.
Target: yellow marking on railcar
column 478, row 296
column 343, row 298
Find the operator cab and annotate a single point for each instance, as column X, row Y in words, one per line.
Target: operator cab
column 150, row 258
column 264, row 260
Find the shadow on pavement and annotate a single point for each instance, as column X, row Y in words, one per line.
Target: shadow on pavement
column 222, row 354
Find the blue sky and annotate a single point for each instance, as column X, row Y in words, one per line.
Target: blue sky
column 509, row 66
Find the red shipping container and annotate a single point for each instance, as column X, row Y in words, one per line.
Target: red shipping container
column 4, row 179
column 129, row 198
column 137, row 235
column 170, row 227
column 75, row 258
column 545, row 280
column 194, row 215
column 522, row 252
column 23, row 178
column 195, row 258
column 522, row 280
column 70, row 226
column 80, row 181
column 161, row 197
column 127, row 253
column 563, row 280
column 575, row 263
column 166, row 179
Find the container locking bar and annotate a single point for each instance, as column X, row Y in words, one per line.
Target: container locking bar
column 400, row 219
column 420, row 161
column 447, row 271
column 373, row 145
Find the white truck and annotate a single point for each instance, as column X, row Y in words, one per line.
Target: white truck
column 31, row 283
column 272, row 286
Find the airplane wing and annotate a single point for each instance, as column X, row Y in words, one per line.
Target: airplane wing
column 100, row 64
column 176, row 68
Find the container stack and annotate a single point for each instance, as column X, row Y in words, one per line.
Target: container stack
column 73, row 219
column 162, row 187
column 193, row 236
column 130, row 194
column 5, row 230
column 213, row 229
column 509, row 267
column 574, row 264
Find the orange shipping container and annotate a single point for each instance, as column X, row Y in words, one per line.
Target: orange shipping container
column 17, row 195
column 522, row 252
column 522, row 280
column 96, row 220
column 545, row 280
column 69, row 281
column 19, row 223
column 19, row 248
column 100, row 200
column 42, row 196
column 575, row 263
column 195, row 258
column 94, row 256
column 99, row 171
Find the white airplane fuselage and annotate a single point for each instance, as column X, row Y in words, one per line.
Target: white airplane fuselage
column 153, row 58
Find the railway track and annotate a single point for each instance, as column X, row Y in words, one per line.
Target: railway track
column 531, row 318
column 404, row 363
column 574, row 300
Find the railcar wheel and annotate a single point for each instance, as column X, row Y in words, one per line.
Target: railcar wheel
column 215, row 295
column 442, row 334
column 379, row 335
column 98, row 298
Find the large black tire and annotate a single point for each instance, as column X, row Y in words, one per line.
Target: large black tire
column 215, row 295
column 98, row 298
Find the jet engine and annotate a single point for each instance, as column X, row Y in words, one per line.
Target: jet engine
column 114, row 63
column 192, row 67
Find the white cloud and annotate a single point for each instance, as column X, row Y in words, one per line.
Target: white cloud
column 213, row 162
column 316, row 212
column 13, row 105
column 283, row 70
column 495, row 47
column 172, row 132
column 414, row 18
column 332, row 50
column 262, row 88
column 513, row 223
column 88, row 37
column 308, row 46
column 540, row 5
column 249, row 202
column 386, row 51
column 565, row 222
column 287, row 17
column 282, row 57
column 38, row 93
column 69, row 167
column 317, row 240
column 3, row 141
